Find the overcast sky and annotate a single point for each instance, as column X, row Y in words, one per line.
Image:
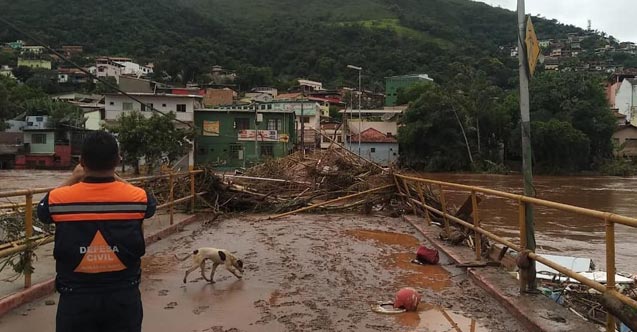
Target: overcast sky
column 615, row 17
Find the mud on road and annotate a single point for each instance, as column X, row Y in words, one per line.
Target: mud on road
column 302, row 273
column 312, row 273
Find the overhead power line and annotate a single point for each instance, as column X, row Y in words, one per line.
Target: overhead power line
column 72, row 63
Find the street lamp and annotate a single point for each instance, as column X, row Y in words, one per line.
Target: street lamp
column 360, row 92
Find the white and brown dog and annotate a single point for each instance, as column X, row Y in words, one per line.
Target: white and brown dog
column 218, row 257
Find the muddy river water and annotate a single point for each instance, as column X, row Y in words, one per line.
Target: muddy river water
column 560, row 232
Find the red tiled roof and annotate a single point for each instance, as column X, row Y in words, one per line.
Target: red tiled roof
column 372, row 135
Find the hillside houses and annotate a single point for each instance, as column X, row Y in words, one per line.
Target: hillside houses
column 586, row 51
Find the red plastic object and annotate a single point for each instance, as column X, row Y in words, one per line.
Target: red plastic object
column 427, row 256
column 407, row 298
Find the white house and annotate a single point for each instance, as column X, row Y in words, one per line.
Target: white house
column 6, row 71
column 182, row 105
column 626, row 99
column 108, row 67
column 382, row 120
column 32, row 49
column 307, row 85
column 134, row 69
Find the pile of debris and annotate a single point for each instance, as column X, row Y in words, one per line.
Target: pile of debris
column 298, row 181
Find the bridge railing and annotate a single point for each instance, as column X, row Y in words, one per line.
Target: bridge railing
column 29, row 242
column 412, row 189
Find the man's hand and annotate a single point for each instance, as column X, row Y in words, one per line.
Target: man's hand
column 76, row 177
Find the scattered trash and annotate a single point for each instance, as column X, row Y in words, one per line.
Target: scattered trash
column 407, row 298
column 427, row 256
column 49, row 302
column 580, row 299
column 386, row 308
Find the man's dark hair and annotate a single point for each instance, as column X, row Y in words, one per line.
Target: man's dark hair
column 100, row 151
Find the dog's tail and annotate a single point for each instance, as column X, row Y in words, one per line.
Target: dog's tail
column 187, row 256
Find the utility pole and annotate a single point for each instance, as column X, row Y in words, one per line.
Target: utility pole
column 256, row 133
column 302, row 130
column 527, row 168
column 360, row 93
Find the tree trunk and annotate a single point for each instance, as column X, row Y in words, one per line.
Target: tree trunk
column 466, row 141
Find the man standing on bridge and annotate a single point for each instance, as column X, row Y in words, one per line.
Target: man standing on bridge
column 99, row 242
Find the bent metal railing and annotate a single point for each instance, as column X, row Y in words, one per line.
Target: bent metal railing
column 27, row 244
column 416, row 198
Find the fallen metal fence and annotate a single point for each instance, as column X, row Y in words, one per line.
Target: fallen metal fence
column 27, row 244
column 412, row 188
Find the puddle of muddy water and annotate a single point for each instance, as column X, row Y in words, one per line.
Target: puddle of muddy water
column 434, row 277
column 431, row 318
column 388, row 238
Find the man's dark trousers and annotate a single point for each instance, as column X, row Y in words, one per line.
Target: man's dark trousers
column 116, row 311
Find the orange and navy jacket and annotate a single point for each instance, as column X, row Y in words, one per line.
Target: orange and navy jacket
column 98, row 233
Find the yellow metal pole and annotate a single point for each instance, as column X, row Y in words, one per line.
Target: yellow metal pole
column 28, row 230
column 408, row 191
column 422, row 200
column 521, row 216
column 610, row 268
column 476, row 222
column 171, row 197
column 192, row 192
column 522, row 223
column 443, row 203
column 398, row 187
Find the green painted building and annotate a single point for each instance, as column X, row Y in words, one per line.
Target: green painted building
column 393, row 83
column 226, row 136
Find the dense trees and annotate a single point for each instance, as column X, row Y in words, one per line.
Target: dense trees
column 153, row 139
column 571, row 124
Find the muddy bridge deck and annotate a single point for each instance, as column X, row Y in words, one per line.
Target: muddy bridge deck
column 303, row 273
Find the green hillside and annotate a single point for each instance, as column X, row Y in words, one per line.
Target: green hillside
column 274, row 41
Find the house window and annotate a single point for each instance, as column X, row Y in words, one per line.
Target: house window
column 372, row 150
column 163, row 105
column 38, row 139
column 100, row 69
column 306, row 119
column 147, row 107
column 181, row 107
column 242, row 123
column 39, row 118
column 235, row 151
column 127, row 106
column 275, row 124
column 267, row 150
column 112, row 103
